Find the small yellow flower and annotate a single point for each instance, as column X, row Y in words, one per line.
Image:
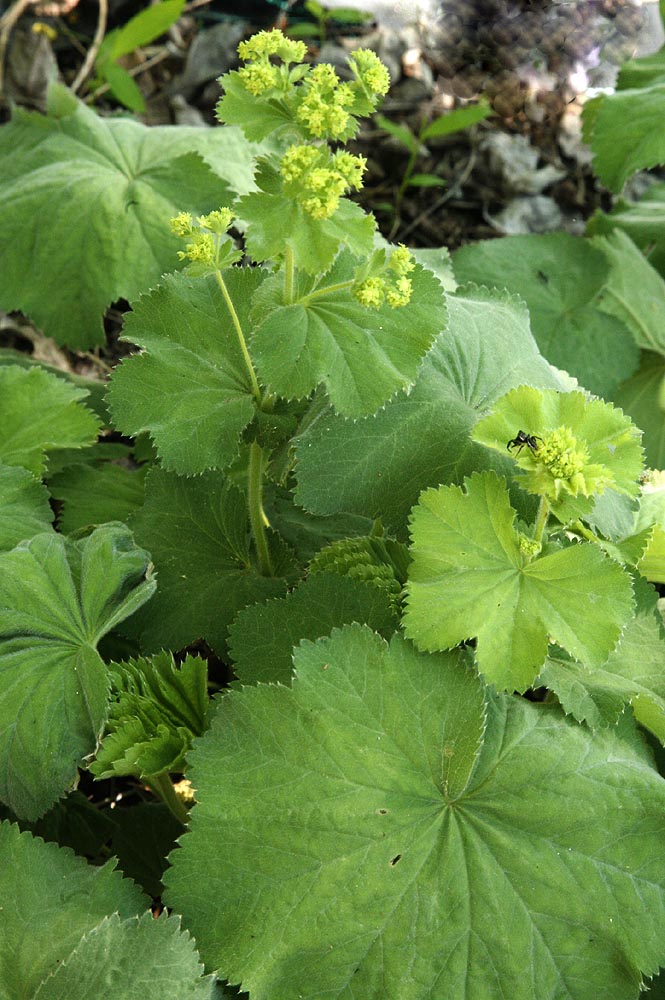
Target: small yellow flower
column 370, row 71
column 258, row 77
column 218, row 221
column 181, row 224
column 371, row 293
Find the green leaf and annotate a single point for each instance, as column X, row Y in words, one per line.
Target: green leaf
column 399, row 132
column 77, row 823
column 276, row 223
column 346, row 844
column 635, row 292
column 426, row 180
column 605, row 437
column 189, row 387
column 84, row 196
column 363, row 356
column 263, row 636
column 50, row 899
column 24, row 506
column 95, row 389
column 122, row 86
column 559, row 277
column 155, row 711
column 625, row 134
column 258, row 119
column 642, row 72
column 40, row 413
column 641, row 397
column 145, row 27
column 143, row 959
column 197, row 531
column 469, row 578
column 632, row 675
column 457, row 120
column 643, row 221
column 93, row 495
column 57, row 599
column 438, row 261
column 378, row 466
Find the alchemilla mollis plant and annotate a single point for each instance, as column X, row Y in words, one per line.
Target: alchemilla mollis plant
column 427, row 559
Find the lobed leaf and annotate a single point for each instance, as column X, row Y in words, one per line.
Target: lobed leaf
column 39, row 414
column 384, row 852
column 96, row 494
column 24, row 506
column 189, row 387
column 362, row 356
column 623, row 130
column 83, row 196
column 263, row 636
column 633, row 674
column 57, row 599
column 50, row 899
column 378, row 466
column 559, row 277
column 470, row 579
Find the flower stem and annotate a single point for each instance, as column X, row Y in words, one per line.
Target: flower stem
column 163, row 788
column 257, row 518
column 289, row 272
column 541, row 520
column 256, row 391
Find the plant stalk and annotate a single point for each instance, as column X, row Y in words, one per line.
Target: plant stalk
column 163, row 788
column 541, row 520
column 257, row 518
column 256, row 390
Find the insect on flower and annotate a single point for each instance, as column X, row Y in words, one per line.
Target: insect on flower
column 522, row 438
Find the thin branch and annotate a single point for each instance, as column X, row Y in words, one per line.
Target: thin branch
column 7, row 22
column 89, row 60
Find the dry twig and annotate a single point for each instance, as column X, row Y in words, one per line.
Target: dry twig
column 89, row 60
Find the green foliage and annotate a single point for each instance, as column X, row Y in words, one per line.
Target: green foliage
column 363, row 507
column 96, row 942
column 155, row 712
column 140, row 30
column 82, row 195
column 350, row 834
column 57, row 599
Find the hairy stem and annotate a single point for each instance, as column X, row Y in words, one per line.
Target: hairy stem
column 163, row 788
column 256, row 391
column 289, row 274
column 257, row 518
column 541, row 520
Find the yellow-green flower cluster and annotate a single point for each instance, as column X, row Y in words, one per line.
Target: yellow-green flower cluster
column 206, row 246
column 260, row 74
column 393, row 286
column 370, row 72
column 528, row 546
column 559, row 465
column 323, row 109
column 318, row 179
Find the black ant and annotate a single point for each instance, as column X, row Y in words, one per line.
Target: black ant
column 530, row 440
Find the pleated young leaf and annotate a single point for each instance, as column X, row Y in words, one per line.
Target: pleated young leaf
column 365, row 831
column 189, row 387
column 58, row 598
column 156, row 710
column 471, row 579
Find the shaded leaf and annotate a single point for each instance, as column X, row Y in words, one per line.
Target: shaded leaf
column 57, row 599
